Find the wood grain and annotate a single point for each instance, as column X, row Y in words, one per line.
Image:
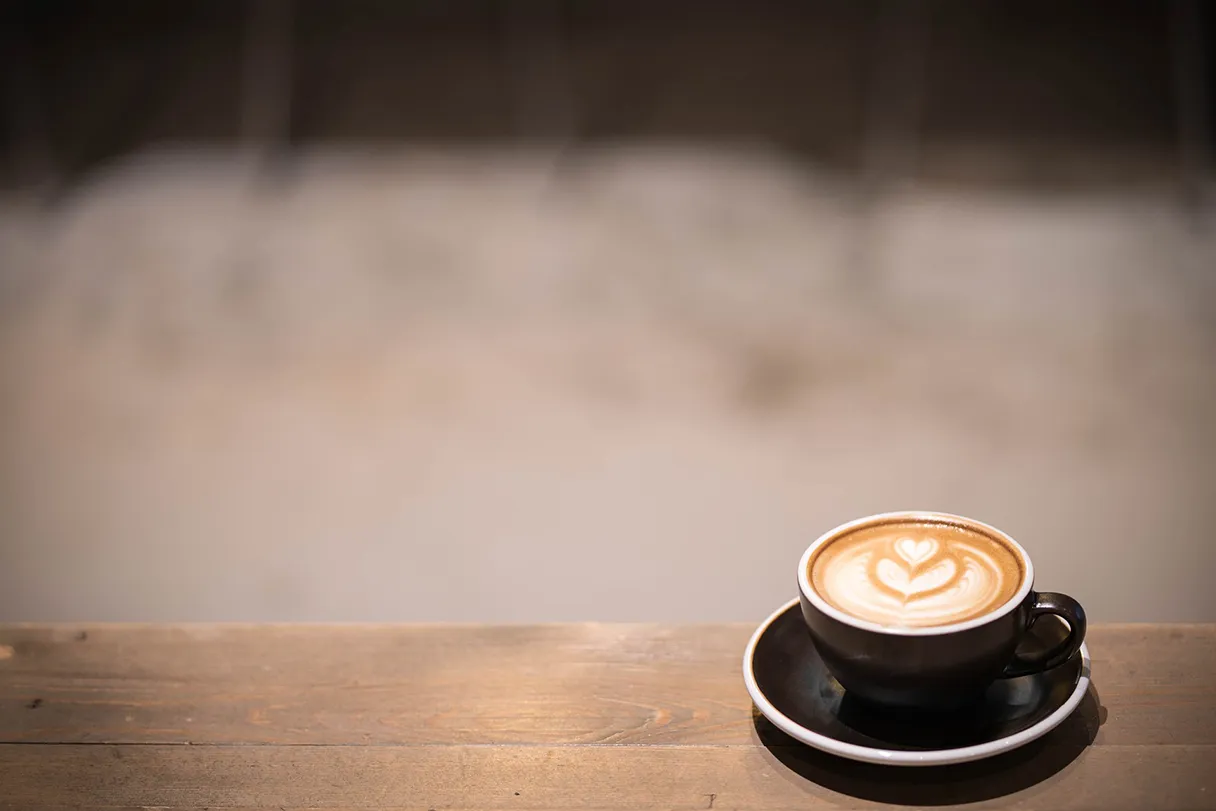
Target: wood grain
column 559, row 684
column 547, row 777
column 533, row 717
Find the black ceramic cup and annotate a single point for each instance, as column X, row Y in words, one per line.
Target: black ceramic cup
column 935, row 667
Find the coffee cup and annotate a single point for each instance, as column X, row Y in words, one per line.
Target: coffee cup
column 926, row 610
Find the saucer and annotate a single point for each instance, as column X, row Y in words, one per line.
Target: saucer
column 791, row 688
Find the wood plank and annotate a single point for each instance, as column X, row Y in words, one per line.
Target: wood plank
column 554, row 684
column 544, row 777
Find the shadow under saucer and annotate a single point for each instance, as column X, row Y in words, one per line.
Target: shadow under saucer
column 788, row 674
column 975, row 781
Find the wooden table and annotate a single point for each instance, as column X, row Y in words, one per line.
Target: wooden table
column 550, row 716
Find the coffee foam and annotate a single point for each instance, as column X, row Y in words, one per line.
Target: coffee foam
column 916, row 574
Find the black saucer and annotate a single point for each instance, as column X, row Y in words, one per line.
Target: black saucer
column 790, row 686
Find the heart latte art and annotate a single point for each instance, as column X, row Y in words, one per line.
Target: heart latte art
column 911, row 575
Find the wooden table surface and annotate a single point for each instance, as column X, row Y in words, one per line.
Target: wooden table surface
column 523, row 717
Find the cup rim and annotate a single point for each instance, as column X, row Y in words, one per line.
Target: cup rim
column 808, row 592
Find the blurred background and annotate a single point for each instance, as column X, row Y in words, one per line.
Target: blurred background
column 540, row 310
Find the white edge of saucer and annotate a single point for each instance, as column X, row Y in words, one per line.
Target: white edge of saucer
column 893, row 757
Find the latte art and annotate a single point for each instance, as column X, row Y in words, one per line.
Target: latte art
column 912, row 575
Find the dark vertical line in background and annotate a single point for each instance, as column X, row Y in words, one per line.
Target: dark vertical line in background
column 891, row 118
column 535, row 45
column 1192, row 100
column 267, row 92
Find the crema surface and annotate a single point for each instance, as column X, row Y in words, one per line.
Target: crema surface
column 919, row 574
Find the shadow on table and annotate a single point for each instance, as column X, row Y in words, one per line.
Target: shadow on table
column 940, row 785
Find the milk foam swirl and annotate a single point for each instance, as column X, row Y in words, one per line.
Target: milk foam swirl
column 914, row 577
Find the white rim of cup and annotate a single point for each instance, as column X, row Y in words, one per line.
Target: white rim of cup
column 804, row 573
column 901, row 757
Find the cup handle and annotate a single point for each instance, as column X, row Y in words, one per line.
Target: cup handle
column 1065, row 607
